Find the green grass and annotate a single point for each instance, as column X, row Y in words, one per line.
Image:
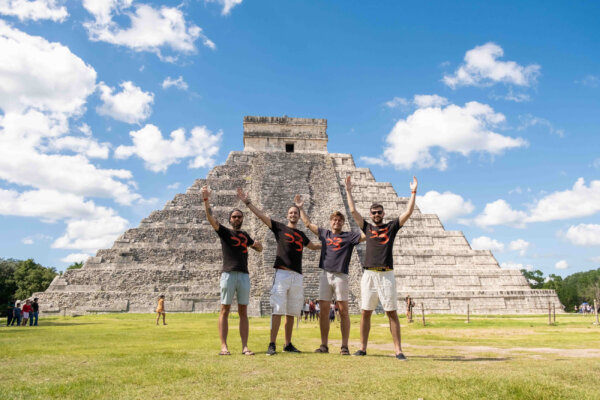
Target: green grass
column 126, row 356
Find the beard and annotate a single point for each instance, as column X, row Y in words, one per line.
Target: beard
column 237, row 225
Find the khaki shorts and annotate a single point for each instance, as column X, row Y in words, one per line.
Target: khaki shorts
column 287, row 293
column 381, row 286
column 332, row 283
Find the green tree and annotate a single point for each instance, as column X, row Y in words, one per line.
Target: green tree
column 553, row 282
column 31, row 277
column 535, row 278
column 75, row 265
column 7, row 283
column 579, row 287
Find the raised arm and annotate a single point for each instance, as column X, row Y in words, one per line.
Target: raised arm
column 206, row 195
column 411, row 203
column 257, row 246
column 314, row 246
column 246, row 200
column 357, row 217
column 300, row 203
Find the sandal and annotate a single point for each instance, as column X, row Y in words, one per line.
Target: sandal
column 224, row 353
column 322, row 349
column 248, row 353
column 344, row 351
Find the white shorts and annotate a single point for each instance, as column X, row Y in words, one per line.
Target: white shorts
column 332, row 283
column 287, row 293
column 25, row 314
column 381, row 286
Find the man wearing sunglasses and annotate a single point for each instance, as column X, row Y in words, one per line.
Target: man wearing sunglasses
column 378, row 282
column 234, row 276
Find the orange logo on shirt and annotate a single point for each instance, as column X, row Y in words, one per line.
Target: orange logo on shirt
column 296, row 239
column 243, row 242
column 381, row 235
column 334, row 243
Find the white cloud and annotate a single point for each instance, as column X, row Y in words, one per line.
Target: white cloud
column 482, row 68
column 580, row 201
column 514, row 265
column 448, row 206
column 94, row 233
column 159, row 153
column 179, row 83
column 596, row 163
column 529, row 120
column 500, row 212
column 452, row 129
column 487, row 243
column 562, row 264
column 150, row 29
column 27, row 241
column 131, row 104
column 397, row 102
column 33, row 238
column 595, row 259
column 82, row 145
column 584, row 235
column 227, row 5
column 75, row 258
column 519, row 245
column 174, row 185
column 427, row 100
column 590, row 80
column 34, row 9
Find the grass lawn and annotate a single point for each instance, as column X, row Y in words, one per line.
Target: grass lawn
column 126, row 356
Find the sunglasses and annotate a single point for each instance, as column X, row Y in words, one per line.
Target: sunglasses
column 237, row 216
column 377, row 212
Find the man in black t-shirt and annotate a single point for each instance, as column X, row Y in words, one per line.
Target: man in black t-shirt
column 287, row 293
column 336, row 252
column 234, row 276
column 378, row 282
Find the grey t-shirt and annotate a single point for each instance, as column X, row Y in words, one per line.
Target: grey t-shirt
column 337, row 250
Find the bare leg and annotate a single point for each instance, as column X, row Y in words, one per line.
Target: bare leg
column 324, row 322
column 289, row 328
column 395, row 330
column 164, row 316
column 224, row 325
column 244, row 326
column 275, row 322
column 345, row 322
column 157, row 317
column 365, row 328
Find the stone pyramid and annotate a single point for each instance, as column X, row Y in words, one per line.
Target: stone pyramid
column 174, row 251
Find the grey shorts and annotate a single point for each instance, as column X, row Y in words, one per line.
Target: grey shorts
column 232, row 282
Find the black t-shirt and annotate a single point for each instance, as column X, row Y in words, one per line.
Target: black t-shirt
column 380, row 242
column 336, row 250
column 35, row 306
column 235, row 249
column 290, row 243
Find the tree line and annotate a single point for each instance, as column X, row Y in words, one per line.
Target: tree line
column 573, row 290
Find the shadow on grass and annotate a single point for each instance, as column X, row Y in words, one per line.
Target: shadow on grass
column 462, row 358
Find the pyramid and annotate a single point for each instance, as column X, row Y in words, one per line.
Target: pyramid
column 175, row 251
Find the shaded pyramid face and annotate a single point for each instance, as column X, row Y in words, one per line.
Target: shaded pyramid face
column 175, row 251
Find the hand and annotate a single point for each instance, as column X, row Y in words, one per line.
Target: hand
column 298, row 201
column 242, row 196
column 413, row 184
column 349, row 183
column 205, row 192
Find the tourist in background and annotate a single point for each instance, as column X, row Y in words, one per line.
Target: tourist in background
column 35, row 312
column 26, row 310
column 160, row 309
column 16, row 315
column 9, row 312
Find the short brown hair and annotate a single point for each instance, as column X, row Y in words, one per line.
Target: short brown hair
column 337, row 214
column 376, row 205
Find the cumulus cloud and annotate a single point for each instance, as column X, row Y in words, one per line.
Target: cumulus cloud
column 429, row 100
column 131, row 104
column 584, row 235
column 500, row 212
column 87, row 146
column 159, row 153
column 562, row 264
column 174, row 185
column 487, row 243
column 519, row 245
column 227, row 5
column 580, row 201
column 179, row 83
column 482, row 68
column 529, row 121
column 397, row 102
column 34, row 9
column 150, row 29
column 91, row 234
column 448, row 206
column 424, row 138
column 75, row 258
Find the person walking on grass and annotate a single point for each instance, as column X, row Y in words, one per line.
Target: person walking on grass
column 235, row 277
column 287, row 293
column 378, row 281
column 160, row 309
column 16, row 315
column 336, row 253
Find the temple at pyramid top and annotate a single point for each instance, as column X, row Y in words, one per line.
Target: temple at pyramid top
column 285, row 134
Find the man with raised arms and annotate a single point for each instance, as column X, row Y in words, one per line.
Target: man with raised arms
column 378, row 281
column 336, row 253
column 287, row 293
column 235, row 277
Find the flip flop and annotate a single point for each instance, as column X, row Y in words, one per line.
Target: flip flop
column 248, row 353
column 224, row 353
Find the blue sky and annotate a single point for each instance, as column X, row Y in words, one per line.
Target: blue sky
column 108, row 108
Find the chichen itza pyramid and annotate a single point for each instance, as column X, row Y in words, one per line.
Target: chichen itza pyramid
column 174, row 251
